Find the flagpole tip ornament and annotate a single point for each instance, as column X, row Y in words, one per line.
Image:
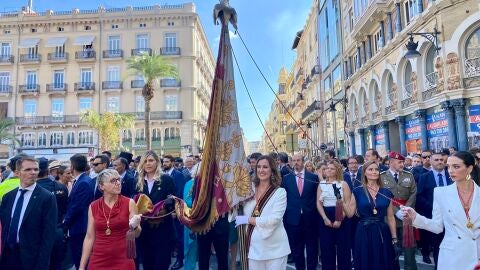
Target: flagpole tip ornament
column 225, row 10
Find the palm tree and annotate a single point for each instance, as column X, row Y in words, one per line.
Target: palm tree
column 151, row 67
column 5, row 125
column 108, row 126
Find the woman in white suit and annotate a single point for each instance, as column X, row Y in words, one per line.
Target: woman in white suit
column 268, row 244
column 457, row 209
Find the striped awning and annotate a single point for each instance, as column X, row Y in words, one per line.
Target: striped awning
column 29, row 42
column 56, row 42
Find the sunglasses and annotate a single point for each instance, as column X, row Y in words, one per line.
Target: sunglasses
column 426, row 156
column 115, row 180
column 96, row 164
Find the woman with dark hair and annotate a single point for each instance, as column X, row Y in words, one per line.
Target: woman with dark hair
column 65, row 177
column 158, row 234
column 334, row 232
column 268, row 248
column 374, row 238
column 456, row 208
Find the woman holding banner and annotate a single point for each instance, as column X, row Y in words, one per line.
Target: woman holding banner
column 266, row 236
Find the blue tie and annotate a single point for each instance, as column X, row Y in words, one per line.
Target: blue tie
column 440, row 180
column 12, row 231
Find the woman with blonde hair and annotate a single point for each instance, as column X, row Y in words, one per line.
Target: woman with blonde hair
column 158, row 235
column 334, row 232
column 109, row 219
column 309, row 166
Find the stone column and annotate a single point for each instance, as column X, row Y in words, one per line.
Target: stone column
column 459, row 106
column 452, row 131
column 351, row 136
column 401, row 128
column 421, row 114
column 386, row 131
column 398, row 23
column 363, row 144
column 372, row 129
column 389, row 26
column 359, row 57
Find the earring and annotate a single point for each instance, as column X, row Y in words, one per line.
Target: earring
column 469, row 177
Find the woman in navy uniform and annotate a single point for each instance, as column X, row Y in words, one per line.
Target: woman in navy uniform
column 158, row 235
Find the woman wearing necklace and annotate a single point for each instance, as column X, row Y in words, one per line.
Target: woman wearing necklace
column 109, row 219
column 268, row 246
column 374, row 238
column 456, row 208
column 334, row 231
column 158, row 235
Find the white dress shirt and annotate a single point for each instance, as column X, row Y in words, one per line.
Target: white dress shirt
column 26, row 199
column 435, row 176
column 150, row 183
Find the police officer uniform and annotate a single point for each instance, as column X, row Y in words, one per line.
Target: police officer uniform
column 61, row 195
column 402, row 185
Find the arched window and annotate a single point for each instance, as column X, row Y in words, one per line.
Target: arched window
column 430, row 74
column 472, row 55
column 156, row 134
column 407, row 81
column 390, row 90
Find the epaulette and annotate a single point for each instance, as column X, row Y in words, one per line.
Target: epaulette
column 383, row 172
column 405, row 171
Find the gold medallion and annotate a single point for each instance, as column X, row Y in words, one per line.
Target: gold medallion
column 108, row 231
column 375, row 211
column 256, row 212
column 469, row 224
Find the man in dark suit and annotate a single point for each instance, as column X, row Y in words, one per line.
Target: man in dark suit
column 80, row 198
column 28, row 215
column 426, row 166
column 127, row 179
column 282, row 160
column 437, row 177
column 100, row 163
column 179, row 181
column 373, row 155
column 352, row 174
column 301, row 215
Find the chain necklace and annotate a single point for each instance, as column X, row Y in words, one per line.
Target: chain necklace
column 374, row 198
column 256, row 212
column 466, row 206
column 108, row 231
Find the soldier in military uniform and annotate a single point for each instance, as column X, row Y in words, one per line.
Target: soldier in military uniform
column 402, row 184
column 61, row 195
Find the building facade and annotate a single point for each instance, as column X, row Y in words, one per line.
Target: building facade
column 406, row 105
column 55, row 64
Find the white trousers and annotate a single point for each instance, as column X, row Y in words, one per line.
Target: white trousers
column 275, row 264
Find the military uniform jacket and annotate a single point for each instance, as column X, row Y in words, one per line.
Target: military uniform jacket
column 404, row 190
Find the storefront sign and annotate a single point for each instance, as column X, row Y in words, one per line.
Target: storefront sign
column 437, row 125
column 474, row 118
column 412, row 129
column 379, row 136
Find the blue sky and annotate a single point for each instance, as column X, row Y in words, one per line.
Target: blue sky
column 267, row 26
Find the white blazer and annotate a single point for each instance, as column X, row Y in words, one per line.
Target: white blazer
column 460, row 248
column 269, row 238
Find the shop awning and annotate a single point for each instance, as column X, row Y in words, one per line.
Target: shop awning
column 29, row 42
column 84, row 40
column 56, row 42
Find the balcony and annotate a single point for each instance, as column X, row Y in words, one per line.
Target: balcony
column 431, row 81
column 137, row 84
column 140, row 51
column 160, row 115
column 170, row 51
column 6, row 59
column 299, row 74
column 84, row 56
column 5, row 90
column 109, row 85
column 365, row 21
column 84, row 87
column 29, row 89
column 30, row 58
column 314, row 107
column 57, row 88
column 45, row 120
column 113, row 54
column 170, row 83
column 57, row 57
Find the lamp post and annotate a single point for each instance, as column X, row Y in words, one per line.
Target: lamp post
column 333, row 110
column 412, row 45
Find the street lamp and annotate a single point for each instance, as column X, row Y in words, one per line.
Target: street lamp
column 333, row 110
column 412, row 46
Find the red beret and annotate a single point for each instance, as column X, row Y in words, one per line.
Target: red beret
column 396, row 155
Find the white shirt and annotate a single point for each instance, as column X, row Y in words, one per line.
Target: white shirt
column 150, row 183
column 435, row 176
column 327, row 196
column 300, row 176
column 26, row 199
column 123, row 174
column 169, row 172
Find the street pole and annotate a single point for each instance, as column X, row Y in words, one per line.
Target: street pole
column 335, row 133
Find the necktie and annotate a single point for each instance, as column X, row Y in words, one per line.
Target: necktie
column 440, row 180
column 395, row 176
column 300, row 183
column 14, row 223
column 353, row 177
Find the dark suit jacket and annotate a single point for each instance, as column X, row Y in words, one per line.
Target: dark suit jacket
column 417, row 172
column 129, row 185
column 425, row 186
column 179, row 182
column 285, row 170
column 79, row 200
column 352, row 183
column 60, row 192
column 37, row 229
column 296, row 204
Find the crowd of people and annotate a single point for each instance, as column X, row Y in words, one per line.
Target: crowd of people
column 361, row 212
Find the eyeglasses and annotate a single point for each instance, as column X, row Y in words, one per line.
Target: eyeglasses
column 96, row 164
column 426, row 156
column 115, row 180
